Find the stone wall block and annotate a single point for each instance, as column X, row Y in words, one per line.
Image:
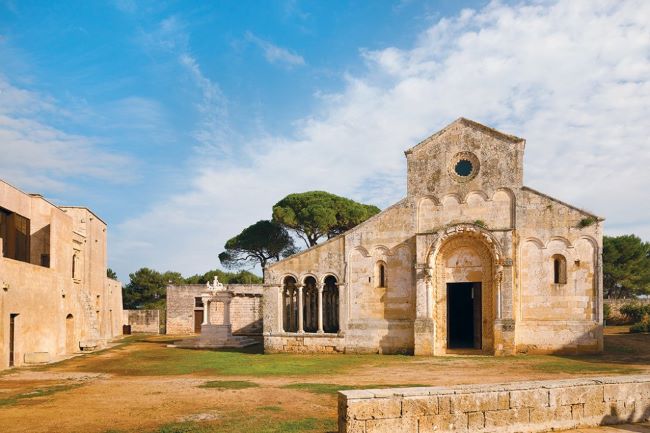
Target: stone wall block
column 562, row 396
column 529, row 398
column 419, row 406
column 391, row 425
column 479, row 402
column 506, row 418
column 443, row 423
column 380, row 408
column 475, row 421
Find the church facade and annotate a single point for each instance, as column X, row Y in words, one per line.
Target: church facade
column 470, row 260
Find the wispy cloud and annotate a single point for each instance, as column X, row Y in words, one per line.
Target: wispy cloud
column 276, row 54
column 573, row 77
column 37, row 155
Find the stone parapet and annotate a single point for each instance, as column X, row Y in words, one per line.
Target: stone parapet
column 501, row 408
column 304, row 343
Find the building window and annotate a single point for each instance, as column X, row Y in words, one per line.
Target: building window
column 75, row 265
column 559, row 269
column 15, row 234
column 198, row 302
column 289, row 305
column 331, row 305
column 380, row 274
column 310, row 305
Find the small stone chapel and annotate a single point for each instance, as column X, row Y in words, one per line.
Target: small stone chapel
column 471, row 260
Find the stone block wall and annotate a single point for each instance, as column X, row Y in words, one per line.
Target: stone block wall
column 306, row 343
column 615, row 316
column 145, row 321
column 245, row 308
column 515, row 407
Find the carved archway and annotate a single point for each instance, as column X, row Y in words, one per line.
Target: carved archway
column 464, row 254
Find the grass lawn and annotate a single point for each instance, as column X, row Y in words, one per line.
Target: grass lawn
column 143, row 386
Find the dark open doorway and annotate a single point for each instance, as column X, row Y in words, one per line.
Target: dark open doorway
column 198, row 321
column 12, row 339
column 464, row 315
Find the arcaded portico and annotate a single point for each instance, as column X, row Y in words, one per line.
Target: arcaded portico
column 470, row 260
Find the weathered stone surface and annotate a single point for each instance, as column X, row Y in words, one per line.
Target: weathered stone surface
column 482, row 227
column 501, row 408
column 53, row 280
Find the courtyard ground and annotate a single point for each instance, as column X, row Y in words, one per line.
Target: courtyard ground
column 141, row 385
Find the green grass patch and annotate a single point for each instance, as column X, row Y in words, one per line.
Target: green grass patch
column 253, row 424
column 39, row 392
column 580, row 366
column 164, row 361
column 330, row 388
column 270, row 408
column 229, row 384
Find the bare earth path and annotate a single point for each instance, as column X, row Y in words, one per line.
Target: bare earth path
column 143, row 386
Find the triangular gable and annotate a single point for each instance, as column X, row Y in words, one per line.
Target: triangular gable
column 471, row 124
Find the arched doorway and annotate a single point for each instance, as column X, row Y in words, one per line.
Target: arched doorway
column 464, row 294
column 70, row 341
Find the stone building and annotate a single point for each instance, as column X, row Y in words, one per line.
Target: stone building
column 186, row 309
column 471, row 260
column 55, row 298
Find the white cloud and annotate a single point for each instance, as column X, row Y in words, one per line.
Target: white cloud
column 572, row 77
column 36, row 155
column 275, row 54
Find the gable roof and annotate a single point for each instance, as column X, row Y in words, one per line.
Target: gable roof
column 471, row 124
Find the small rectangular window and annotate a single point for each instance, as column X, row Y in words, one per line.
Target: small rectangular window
column 198, row 302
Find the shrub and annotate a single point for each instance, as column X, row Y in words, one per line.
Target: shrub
column 586, row 222
column 642, row 326
column 635, row 311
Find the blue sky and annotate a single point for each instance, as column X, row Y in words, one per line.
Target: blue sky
column 182, row 122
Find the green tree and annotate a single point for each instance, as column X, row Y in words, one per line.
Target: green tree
column 260, row 243
column 626, row 266
column 241, row 277
column 316, row 214
column 147, row 288
column 111, row 274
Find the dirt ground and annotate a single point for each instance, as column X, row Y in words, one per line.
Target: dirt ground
column 142, row 385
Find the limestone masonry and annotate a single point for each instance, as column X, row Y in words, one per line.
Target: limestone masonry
column 55, row 298
column 471, row 259
column 514, row 407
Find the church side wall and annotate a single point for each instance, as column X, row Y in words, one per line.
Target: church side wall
column 565, row 316
column 380, row 316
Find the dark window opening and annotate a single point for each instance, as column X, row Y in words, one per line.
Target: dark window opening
column 463, row 168
column 198, row 302
column 15, row 234
column 559, row 269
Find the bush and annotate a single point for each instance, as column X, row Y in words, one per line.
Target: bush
column 607, row 312
column 635, row 311
column 642, row 326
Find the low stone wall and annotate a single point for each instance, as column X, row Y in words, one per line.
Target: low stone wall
column 305, row 343
column 145, row 321
column 515, row 407
column 615, row 316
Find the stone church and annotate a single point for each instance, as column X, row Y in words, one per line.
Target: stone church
column 470, row 261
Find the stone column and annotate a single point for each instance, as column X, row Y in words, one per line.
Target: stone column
column 300, row 312
column 423, row 326
column 226, row 312
column 320, row 310
column 206, row 311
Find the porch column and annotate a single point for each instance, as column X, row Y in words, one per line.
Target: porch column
column 226, row 312
column 320, row 310
column 206, row 310
column 300, row 312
